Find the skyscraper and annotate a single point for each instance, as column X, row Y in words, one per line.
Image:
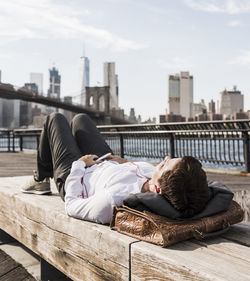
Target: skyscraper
column 180, row 93
column 174, row 94
column 132, row 117
column 37, row 78
column 111, row 80
column 9, row 112
column 84, row 78
column 231, row 102
column 54, row 83
column 211, row 106
column 31, row 87
column 1, row 105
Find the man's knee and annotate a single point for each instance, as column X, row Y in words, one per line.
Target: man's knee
column 80, row 118
column 55, row 118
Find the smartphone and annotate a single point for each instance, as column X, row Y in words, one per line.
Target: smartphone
column 103, row 157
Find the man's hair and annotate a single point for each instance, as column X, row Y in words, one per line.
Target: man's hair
column 185, row 186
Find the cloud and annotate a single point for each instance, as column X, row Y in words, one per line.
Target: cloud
column 32, row 19
column 5, row 56
column 234, row 23
column 242, row 60
column 175, row 63
column 220, row 6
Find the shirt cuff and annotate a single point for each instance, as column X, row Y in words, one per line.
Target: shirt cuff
column 79, row 164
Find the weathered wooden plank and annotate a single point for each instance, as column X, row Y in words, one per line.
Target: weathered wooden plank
column 7, row 264
column 82, row 250
column 216, row 259
column 3, row 256
column 243, row 198
column 24, row 256
column 17, row 274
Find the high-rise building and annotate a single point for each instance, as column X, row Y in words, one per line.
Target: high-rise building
column 54, row 83
column 37, row 78
column 180, row 94
column 111, row 80
column 186, row 94
column 211, row 106
column 1, row 105
column 9, row 112
column 31, row 87
column 25, row 113
column 1, row 113
column 231, row 102
column 174, row 94
column 132, row 117
column 26, row 116
column 198, row 108
column 84, row 78
column 68, row 114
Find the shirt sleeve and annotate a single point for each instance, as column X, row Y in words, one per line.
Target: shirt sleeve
column 96, row 208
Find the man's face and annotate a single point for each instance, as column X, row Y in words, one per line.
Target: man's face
column 166, row 165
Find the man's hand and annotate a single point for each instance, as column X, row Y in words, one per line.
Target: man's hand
column 89, row 159
column 117, row 159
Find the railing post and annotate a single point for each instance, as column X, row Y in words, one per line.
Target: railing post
column 246, row 145
column 21, row 142
column 172, row 154
column 121, row 146
column 8, row 141
column 13, row 141
column 37, row 142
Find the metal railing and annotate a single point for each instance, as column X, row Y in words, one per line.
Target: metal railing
column 6, row 139
column 19, row 139
column 220, row 143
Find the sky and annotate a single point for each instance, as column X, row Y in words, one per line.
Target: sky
column 147, row 39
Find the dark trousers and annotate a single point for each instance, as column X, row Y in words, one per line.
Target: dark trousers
column 61, row 144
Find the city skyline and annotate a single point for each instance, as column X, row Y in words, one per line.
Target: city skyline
column 206, row 38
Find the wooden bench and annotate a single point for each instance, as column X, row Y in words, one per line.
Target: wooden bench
column 88, row 251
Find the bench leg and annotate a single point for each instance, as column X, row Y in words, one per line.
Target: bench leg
column 49, row 272
column 5, row 237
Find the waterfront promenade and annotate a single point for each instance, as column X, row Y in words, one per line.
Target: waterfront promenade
column 23, row 163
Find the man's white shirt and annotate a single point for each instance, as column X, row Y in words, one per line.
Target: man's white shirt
column 91, row 193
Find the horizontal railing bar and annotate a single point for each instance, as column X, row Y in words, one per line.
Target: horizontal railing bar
column 183, row 124
column 171, row 132
column 210, row 160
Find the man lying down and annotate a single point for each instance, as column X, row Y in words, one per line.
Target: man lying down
column 91, row 188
